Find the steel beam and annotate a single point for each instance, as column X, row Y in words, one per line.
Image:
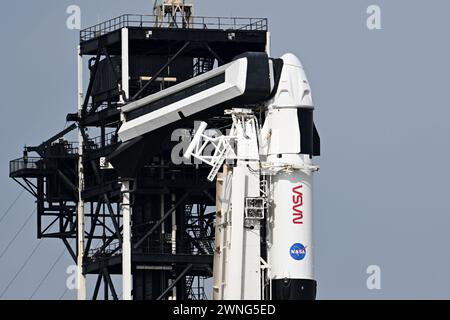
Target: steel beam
column 158, row 224
column 126, row 243
column 97, row 286
column 81, row 277
column 189, row 267
column 93, row 226
column 155, row 76
column 110, row 284
column 91, row 82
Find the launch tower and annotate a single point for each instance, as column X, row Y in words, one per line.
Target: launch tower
column 80, row 197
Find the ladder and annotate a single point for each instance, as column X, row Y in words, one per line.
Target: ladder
column 220, row 155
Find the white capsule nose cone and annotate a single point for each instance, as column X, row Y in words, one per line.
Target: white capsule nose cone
column 292, row 60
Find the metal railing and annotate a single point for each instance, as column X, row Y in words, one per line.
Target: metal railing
column 112, row 249
column 96, row 143
column 72, row 148
column 62, row 149
column 186, row 247
column 197, row 293
column 26, row 164
column 152, row 21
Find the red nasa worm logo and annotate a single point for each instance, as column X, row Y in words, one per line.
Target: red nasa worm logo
column 297, row 199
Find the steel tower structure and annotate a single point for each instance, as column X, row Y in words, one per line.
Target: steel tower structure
column 79, row 196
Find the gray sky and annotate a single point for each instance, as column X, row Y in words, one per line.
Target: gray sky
column 383, row 189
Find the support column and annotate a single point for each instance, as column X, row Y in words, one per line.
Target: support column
column 126, row 242
column 125, row 65
column 162, row 200
column 81, row 278
column 268, row 44
column 174, row 237
column 126, row 208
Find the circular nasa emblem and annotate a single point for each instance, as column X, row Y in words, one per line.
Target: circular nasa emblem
column 298, row 252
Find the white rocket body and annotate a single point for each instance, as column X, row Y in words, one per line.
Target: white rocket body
column 290, row 221
column 271, row 184
column 291, row 241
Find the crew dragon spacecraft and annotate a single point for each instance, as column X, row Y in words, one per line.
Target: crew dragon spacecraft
column 264, row 239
